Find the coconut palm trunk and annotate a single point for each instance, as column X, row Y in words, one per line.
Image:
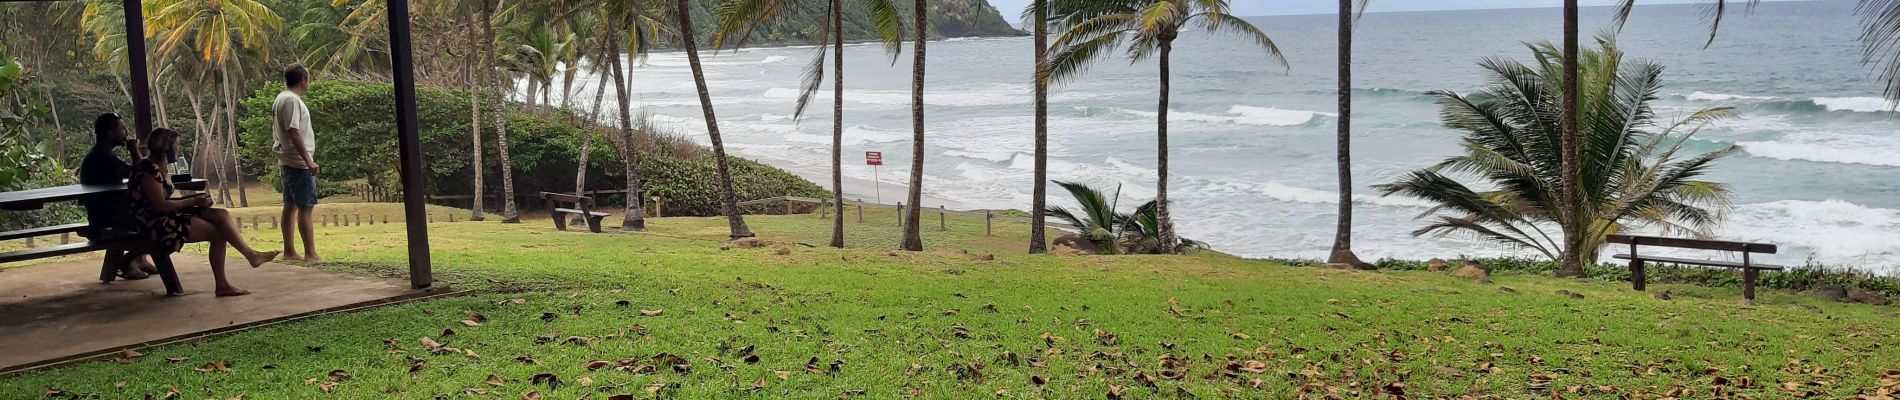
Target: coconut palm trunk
column 231, row 137
column 1039, row 204
column 1572, row 189
column 587, row 142
column 729, row 199
column 837, row 122
column 1162, row 217
column 913, row 230
column 634, row 218
column 1342, row 238
column 509, row 215
column 478, row 82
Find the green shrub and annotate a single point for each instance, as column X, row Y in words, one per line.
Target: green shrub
column 356, row 140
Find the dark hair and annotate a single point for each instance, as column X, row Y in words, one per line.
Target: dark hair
column 295, row 74
column 106, row 125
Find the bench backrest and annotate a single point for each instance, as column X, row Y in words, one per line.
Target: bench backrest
column 1718, row 245
column 582, row 201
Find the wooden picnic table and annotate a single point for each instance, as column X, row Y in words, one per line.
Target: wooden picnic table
column 116, row 246
column 34, row 199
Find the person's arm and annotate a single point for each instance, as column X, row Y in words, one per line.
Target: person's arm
column 154, row 190
column 296, row 141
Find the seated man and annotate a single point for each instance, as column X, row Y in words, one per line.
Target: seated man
column 111, row 214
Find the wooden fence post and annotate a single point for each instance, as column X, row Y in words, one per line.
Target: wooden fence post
column 900, row 214
column 273, row 222
column 987, row 226
column 65, row 239
column 240, row 223
column 860, row 212
column 656, row 208
column 29, row 242
column 941, row 224
column 255, row 221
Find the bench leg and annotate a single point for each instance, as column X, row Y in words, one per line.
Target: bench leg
column 1748, row 285
column 560, row 223
column 593, row 223
column 168, row 274
column 1637, row 279
column 109, row 268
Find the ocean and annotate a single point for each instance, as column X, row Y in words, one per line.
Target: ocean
column 1253, row 142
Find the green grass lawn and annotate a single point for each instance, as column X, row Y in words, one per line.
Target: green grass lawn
column 947, row 325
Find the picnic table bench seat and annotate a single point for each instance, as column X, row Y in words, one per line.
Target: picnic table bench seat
column 1751, row 271
column 116, row 247
column 583, row 209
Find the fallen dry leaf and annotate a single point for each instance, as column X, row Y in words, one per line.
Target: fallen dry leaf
column 652, row 313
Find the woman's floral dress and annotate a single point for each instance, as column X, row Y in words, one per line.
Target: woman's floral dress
column 168, row 229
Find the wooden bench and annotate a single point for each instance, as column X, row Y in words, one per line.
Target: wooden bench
column 1751, row 272
column 583, row 208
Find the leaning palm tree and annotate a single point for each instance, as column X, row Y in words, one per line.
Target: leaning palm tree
column 729, row 200
column 1037, row 16
column 1633, row 172
column 913, row 231
column 499, row 80
column 1342, row 238
column 641, row 31
column 739, row 18
column 1149, row 29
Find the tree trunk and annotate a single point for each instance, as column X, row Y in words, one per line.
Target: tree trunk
column 634, row 219
column 587, row 142
column 1038, row 213
column 1161, row 154
column 509, row 215
column 728, row 198
column 1573, row 225
column 1342, row 239
column 231, row 138
column 478, row 82
column 913, row 230
column 837, row 122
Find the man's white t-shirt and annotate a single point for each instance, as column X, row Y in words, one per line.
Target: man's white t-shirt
column 288, row 112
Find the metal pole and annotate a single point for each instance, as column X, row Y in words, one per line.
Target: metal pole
column 987, row 229
column 941, row 224
column 877, row 184
column 135, row 58
column 409, row 142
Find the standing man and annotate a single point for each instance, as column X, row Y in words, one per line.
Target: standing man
column 296, row 147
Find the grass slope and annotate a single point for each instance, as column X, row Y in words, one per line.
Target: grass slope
column 942, row 324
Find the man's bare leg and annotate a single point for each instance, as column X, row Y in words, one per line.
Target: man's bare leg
column 309, row 235
column 289, row 226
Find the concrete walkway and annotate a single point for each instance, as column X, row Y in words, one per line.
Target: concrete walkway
column 61, row 310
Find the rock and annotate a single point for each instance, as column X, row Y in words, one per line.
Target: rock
column 1662, row 295
column 1080, row 244
column 1470, row 272
column 1865, row 296
column 748, row 243
column 783, row 251
column 1831, row 292
column 1437, row 265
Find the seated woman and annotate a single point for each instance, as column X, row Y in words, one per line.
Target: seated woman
column 172, row 222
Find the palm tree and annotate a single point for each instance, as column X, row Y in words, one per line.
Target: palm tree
column 1098, row 222
column 1038, row 16
column 220, row 32
column 729, row 200
column 638, row 25
column 1342, row 240
column 1570, row 184
column 913, row 230
column 1148, row 28
column 1880, row 41
column 1631, row 170
column 739, row 18
column 509, row 215
column 478, row 45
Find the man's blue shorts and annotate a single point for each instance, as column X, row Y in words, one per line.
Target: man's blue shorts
column 299, row 187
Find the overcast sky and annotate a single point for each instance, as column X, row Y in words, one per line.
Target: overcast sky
column 1013, row 8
